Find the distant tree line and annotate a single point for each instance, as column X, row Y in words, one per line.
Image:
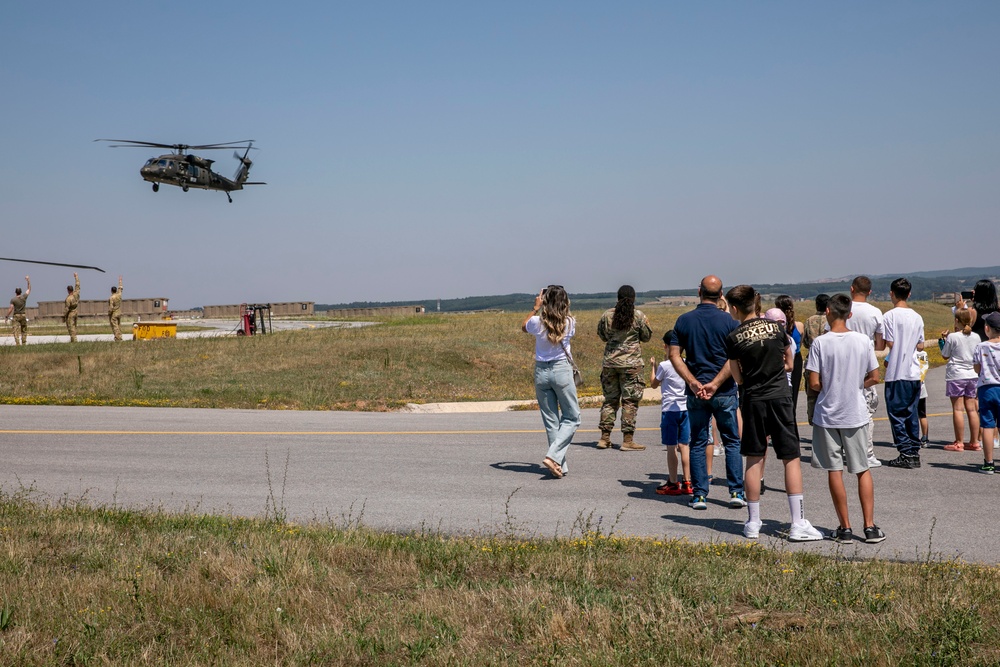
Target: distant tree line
column 925, row 283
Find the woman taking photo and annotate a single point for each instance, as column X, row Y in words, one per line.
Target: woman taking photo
column 623, row 329
column 552, row 325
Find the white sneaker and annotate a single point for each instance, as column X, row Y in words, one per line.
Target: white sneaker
column 751, row 530
column 803, row 532
column 873, row 462
column 719, row 450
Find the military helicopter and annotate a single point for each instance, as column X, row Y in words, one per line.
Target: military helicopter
column 184, row 170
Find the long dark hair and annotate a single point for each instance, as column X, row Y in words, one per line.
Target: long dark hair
column 984, row 297
column 787, row 306
column 624, row 309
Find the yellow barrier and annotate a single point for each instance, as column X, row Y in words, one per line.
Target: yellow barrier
column 151, row 330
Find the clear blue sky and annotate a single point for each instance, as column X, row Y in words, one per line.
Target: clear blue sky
column 422, row 150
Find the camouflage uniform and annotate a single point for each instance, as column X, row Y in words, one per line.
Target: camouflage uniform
column 115, row 311
column 622, row 375
column 19, row 322
column 69, row 311
column 814, row 327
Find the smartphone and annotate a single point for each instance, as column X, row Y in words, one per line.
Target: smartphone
column 966, row 295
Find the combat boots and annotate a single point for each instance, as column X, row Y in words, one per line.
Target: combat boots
column 629, row 446
column 605, row 440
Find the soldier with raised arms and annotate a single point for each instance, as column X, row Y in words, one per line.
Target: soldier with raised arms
column 69, row 310
column 115, row 309
column 18, row 309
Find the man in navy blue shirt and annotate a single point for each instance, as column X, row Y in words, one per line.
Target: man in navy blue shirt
column 701, row 335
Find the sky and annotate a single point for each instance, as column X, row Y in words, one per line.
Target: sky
column 450, row 149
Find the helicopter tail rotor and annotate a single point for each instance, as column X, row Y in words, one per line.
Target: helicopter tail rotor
column 245, row 163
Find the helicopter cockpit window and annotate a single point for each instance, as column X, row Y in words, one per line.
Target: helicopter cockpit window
column 151, row 161
column 162, row 163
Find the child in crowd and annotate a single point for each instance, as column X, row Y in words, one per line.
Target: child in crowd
column 813, row 329
column 760, row 355
column 922, row 403
column 842, row 364
column 987, row 363
column 960, row 379
column 675, row 431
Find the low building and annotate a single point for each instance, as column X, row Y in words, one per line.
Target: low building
column 282, row 309
column 387, row 311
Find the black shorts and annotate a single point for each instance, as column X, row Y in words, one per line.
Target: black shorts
column 769, row 417
column 922, row 408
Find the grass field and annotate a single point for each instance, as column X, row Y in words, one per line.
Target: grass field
column 106, row 585
column 427, row 358
column 84, row 585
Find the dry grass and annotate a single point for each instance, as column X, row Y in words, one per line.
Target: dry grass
column 428, row 358
column 108, row 586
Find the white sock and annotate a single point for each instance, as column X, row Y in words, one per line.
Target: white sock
column 753, row 511
column 797, row 508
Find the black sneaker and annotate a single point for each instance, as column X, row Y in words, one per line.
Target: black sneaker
column 924, row 441
column 874, row 535
column 842, row 535
column 905, row 462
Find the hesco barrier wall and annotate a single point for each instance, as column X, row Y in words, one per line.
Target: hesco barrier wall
column 389, row 311
column 146, row 308
column 282, row 309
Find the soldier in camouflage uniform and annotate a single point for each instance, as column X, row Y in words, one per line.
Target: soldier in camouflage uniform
column 115, row 309
column 69, row 310
column 623, row 329
column 18, row 310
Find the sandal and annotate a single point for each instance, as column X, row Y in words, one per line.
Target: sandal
column 552, row 467
column 955, row 447
column 973, row 447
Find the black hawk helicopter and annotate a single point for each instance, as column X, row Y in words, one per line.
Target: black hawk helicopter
column 184, row 170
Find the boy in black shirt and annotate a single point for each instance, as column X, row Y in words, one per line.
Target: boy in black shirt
column 759, row 356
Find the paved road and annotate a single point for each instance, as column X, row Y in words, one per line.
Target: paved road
column 464, row 473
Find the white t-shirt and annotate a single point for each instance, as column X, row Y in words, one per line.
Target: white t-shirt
column 842, row 361
column 959, row 348
column 545, row 350
column 904, row 328
column 866, row 318
column 672, row 387
column 987, row 355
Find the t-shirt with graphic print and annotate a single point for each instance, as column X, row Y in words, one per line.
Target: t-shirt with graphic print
column 759, row 347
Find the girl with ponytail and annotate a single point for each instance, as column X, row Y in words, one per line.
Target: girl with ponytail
column 960, row 379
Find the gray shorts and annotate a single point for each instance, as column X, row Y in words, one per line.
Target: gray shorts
column 832, row 447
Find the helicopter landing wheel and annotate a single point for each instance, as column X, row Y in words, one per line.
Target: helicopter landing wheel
column 184, row 188
column 156, row 187
column 229, row 198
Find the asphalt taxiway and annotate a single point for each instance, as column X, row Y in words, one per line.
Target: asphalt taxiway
column 471, row 472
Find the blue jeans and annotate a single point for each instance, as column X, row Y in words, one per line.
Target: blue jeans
column 901, row 398
column 556, row 392
column 700, row 411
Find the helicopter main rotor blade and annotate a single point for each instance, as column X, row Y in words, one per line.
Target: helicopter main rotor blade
column 225, row 144
column 129, row 143
column 35, row 261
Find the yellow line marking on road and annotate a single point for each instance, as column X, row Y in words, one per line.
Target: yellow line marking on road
column 434, row 432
